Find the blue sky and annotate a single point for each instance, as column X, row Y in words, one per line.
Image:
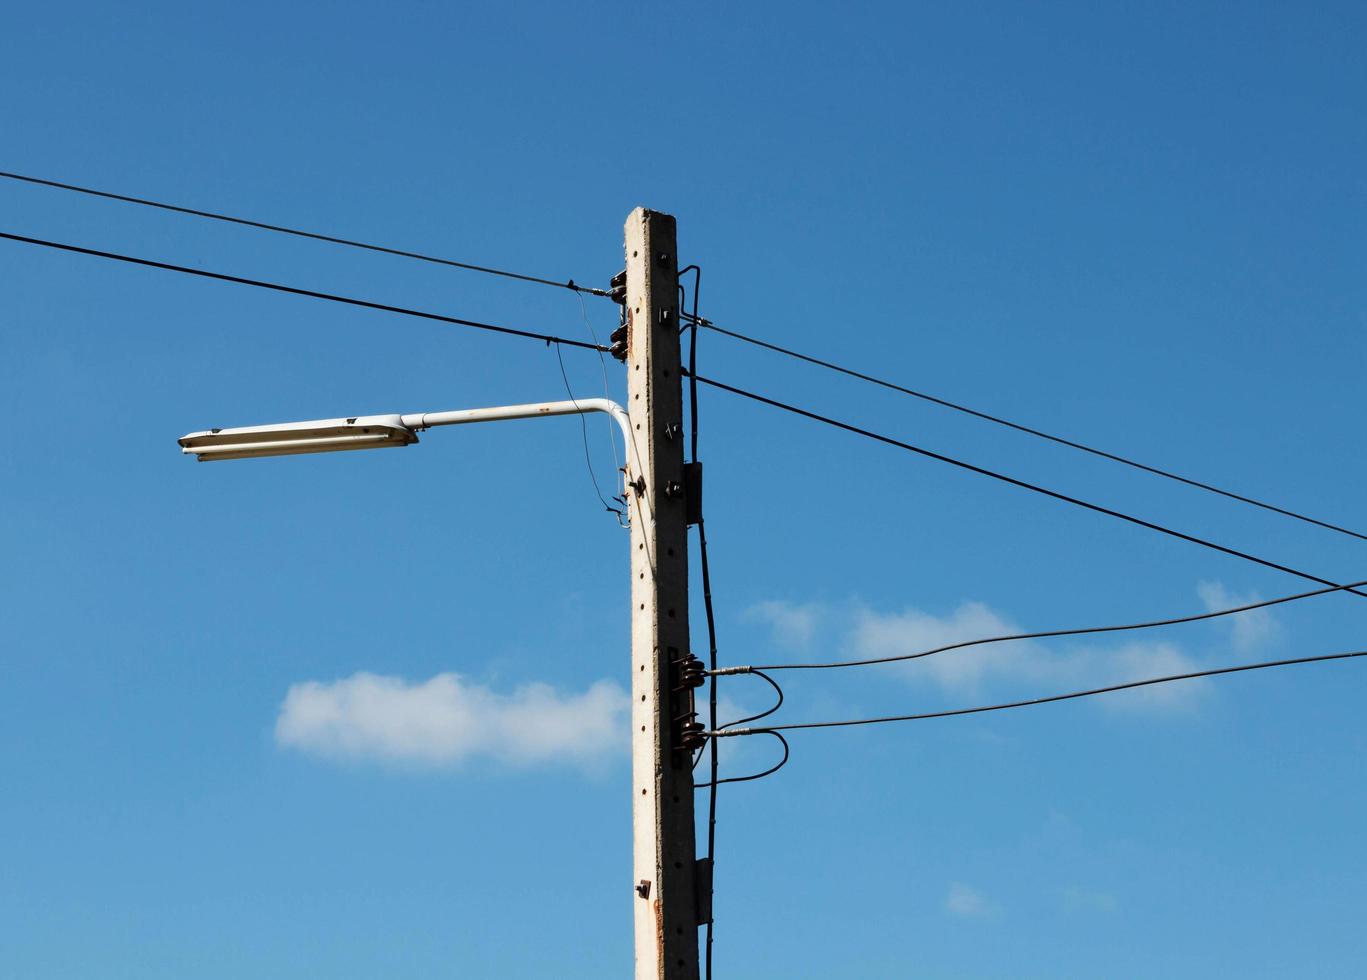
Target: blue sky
column 292, row 717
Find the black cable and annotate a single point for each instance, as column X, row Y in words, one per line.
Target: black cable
column 1042, row 635
column 316, row 236
column 763, row 714
column 1034, row 488
column 713, row 782
column 295, row 291
column 692, row 356
column 759, row 775
column 1114, row 457
column 584, row 431
column 774, row 729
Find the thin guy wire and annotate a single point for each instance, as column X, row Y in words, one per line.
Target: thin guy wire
column 1034, row 488
column 1045, row 634
column 1060, row 440
column 584, row 431
column 607, row 389
column 773, row 729
column 295, row 291
column 759, row 775
column 316, row 236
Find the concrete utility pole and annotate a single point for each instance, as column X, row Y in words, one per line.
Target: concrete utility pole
column 667, row 911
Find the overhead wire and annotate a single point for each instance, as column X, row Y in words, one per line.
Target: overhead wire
column 300, row 233
column 774, row 729
column 297, row 291
column 1044, row 634
column 1029, row 430
column 1024, row 485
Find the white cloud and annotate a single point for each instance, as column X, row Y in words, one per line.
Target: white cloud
column 1250, row 630
column 445, row 720
column 1137, row 661
column 1019, row 666
column 793, row 624
column 911, row 631
column 967, row 902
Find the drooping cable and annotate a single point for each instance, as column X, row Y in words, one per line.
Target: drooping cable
column 296, row 291
column 1044, row 634
column 1028, row 430
column 753, row 776
column 1032, row 487
column 773, row 729
column 316, row 236
column 778, row 701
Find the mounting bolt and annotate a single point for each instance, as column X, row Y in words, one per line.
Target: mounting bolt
column 643, row 889
column 673, row 489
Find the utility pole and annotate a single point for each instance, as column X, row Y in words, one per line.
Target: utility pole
column 663, row 672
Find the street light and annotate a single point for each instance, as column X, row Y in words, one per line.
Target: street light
column 663, row 495
column 377, row 431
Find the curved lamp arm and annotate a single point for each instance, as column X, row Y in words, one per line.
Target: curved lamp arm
column 379, row 431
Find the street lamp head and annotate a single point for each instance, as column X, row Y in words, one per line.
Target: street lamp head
column 297, row 438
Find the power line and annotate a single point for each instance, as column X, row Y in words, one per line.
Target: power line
column 295, row 291
column 316, row 236
column 1034, row 488
column 1060, row 440
column 774, row 729
column 1036, row 636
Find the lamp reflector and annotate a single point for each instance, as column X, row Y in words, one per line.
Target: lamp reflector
column 297, row 438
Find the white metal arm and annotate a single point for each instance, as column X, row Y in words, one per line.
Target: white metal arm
column 580, row 406
column 379, row 431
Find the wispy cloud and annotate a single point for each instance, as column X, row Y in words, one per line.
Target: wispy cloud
column 793, row 624
column 968, row 903
column 910, row 631
column 1027, row 665
column 974, row 670
column 1250, row 630
column 442, row 721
